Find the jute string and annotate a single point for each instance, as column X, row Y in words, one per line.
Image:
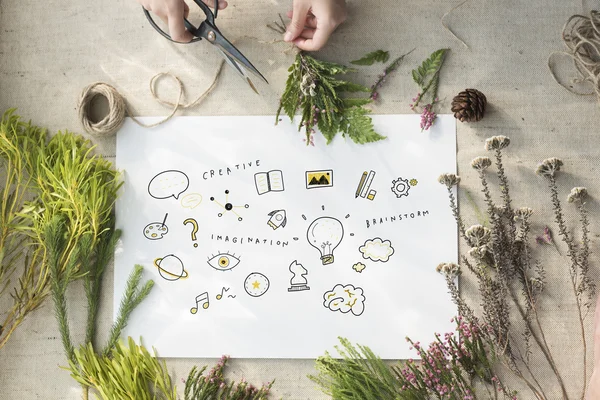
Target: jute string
column 118, row 108
column 581, row 35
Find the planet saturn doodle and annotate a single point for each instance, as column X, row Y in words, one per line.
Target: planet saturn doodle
column 170, row 268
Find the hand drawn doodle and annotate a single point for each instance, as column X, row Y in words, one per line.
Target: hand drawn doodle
column 191, row 200
column 363, row 190
column 271, row 181
column 170, row 268
column 156, row 230
column 223, row 261
column 201, row 298
column 377, row 250
column 298, row 282
column 278, row 219
column 413, row 182
column 359, row 267
column 170, row 183
column 400, row 187
column 223, row 291
column 319, row 179
column 325, row 234
column 228, row 207
column 194, row 224
column 345, row 299
column 256, row 284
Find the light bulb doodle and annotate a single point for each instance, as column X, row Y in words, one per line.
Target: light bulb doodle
column 278, row 219
column 256, row 284
column 156, row 230
column 201, row 298
column 223, row 261
column 194, row 224
column 228, row 207
column 325, row 234
column 298, row 282
column 170, row 268
column 377, row 250
column 345, row 298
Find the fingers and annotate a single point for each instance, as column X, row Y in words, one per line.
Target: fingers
column 298, row 22
column 175, row 15
column 318, row 40
column 222, row 3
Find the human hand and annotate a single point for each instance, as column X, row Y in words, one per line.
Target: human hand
column 313, row 21
column 172, row 12
column 593, row 391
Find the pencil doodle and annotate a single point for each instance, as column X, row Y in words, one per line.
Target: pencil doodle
column 364, row 186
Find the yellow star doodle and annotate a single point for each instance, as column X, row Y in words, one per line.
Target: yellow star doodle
column 256, row 284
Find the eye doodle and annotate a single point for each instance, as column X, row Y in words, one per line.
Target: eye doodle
column 223, row 261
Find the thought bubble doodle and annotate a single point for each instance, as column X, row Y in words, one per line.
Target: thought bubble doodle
column 191, row 200
column 167, row 184
column 345, row 299
column 377, row 250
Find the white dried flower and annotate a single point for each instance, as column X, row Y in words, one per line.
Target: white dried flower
column 578, row 194
column 481, row 163
column 478, row 235
column 449, row 179
column 523, row 213
column 549, row 167
column 497, row 143
column 307, row 86
column 450, row 270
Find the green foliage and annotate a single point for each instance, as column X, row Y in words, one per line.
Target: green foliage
column 215, row 387
column 129, row 372
column 20, row 258
column 427, row 76
column 373, row 57
column 314, row 90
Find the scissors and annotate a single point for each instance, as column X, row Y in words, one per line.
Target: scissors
column 208, row 30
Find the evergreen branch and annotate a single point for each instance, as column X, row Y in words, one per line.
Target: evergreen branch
column 132, row 297
column 373, row 57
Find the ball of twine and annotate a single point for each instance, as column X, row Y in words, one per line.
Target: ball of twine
column 118, row 109
column 581, row 35
column 111, row 123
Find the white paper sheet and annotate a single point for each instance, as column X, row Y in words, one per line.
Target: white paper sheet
column 263, row 247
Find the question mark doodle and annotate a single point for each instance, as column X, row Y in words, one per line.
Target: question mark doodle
column 194, row 228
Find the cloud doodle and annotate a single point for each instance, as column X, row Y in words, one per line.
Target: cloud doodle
column 345, row 299
column 377, row 250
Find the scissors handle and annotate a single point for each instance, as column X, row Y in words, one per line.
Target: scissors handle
column 210, row 18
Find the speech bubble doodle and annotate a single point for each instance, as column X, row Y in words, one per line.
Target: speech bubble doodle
column 191, row 200
column 167, row 184
column 377, row 250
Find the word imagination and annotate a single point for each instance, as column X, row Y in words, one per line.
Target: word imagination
column 248, row 240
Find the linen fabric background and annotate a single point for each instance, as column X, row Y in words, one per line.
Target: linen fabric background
column 49, row 51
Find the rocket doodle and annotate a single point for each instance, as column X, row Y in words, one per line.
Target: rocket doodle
column 278, row 219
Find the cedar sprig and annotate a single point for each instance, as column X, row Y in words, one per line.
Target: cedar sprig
column 314, row 89
column 372, row 57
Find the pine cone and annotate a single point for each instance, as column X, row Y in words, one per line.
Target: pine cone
column 469, row 105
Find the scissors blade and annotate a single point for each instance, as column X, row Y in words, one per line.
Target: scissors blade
column 238, row 68
column 214, row 36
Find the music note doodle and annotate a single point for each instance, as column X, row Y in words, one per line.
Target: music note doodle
column 201, row 298
column 220, row 296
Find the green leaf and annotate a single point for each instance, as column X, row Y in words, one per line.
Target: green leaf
column 429, row 67
column 372, row 58
column 359, row 126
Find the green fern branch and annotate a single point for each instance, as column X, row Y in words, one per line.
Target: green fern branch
column 373, row 57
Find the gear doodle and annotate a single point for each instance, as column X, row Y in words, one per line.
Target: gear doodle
column 400, row 187
column 413, row 182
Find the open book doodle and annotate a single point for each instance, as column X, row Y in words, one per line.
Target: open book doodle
column 271, row 181
column 344, row 248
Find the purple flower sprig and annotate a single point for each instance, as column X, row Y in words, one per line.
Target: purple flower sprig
column 428, row 115
column 547, row 238
column 381, row 78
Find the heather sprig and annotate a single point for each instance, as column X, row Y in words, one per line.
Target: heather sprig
column 382, row 78
column 427, row 77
